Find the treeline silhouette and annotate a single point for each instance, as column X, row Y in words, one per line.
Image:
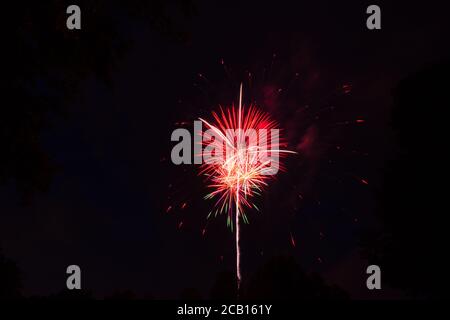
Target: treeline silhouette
column 280, row 278
column 411, row 246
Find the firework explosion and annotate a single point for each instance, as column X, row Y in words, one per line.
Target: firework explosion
column 247, row 168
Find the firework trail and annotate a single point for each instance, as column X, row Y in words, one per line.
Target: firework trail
column 246, row 168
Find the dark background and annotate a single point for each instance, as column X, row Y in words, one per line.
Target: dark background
column 85, row 171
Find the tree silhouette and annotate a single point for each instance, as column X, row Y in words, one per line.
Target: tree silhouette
column 46, row 63
column 224, row 287
column 281, row 278
column 411, row 248
column 10, row 279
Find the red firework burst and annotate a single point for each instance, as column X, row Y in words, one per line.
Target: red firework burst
column 247, row 148
column 242, row 161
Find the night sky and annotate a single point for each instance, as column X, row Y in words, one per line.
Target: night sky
column 106, row 207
